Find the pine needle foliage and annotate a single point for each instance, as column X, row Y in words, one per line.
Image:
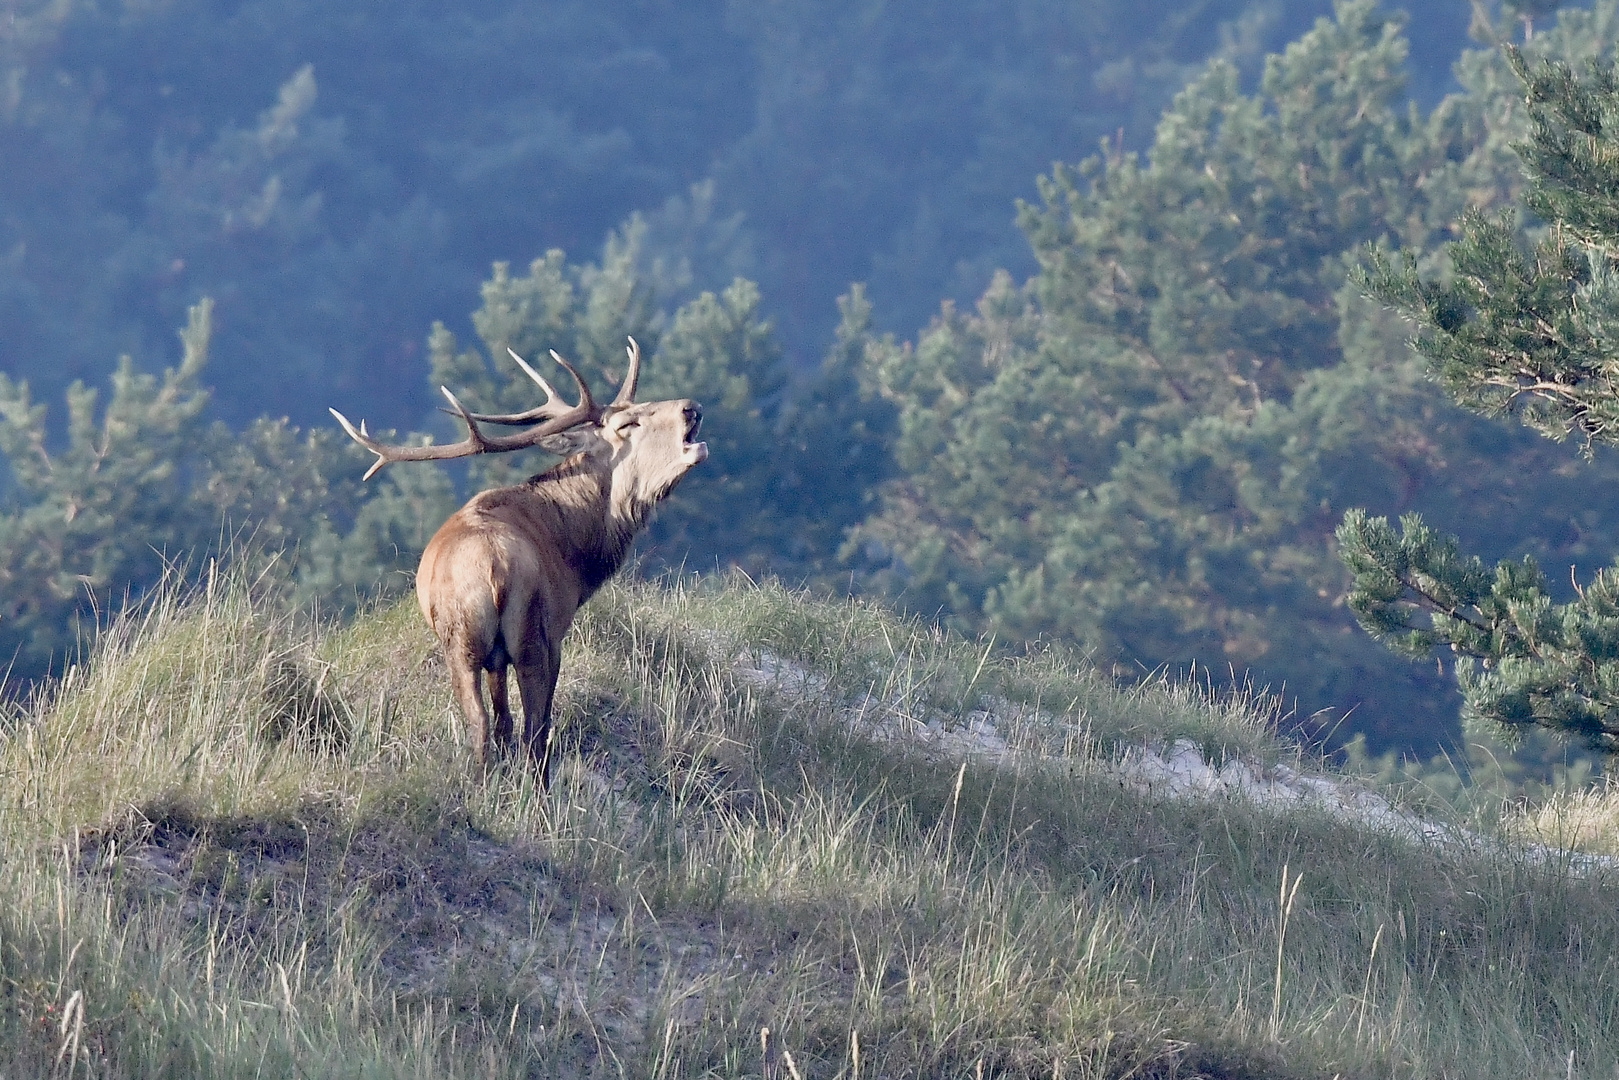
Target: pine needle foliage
column 1540, row 663
column 1528, row 328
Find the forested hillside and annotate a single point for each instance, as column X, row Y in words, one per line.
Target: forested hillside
column 1137, row 435
column 1149, row 444
column 337, row 175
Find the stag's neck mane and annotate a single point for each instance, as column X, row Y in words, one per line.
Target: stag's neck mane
column 598, row 524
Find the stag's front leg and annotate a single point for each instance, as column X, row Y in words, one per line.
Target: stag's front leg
column 537, row 679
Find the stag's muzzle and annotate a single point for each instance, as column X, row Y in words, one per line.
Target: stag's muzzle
column 693, row 451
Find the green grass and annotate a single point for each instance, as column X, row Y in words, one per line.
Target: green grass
column 236, row 844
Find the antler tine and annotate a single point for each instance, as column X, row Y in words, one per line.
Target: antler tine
column 626, row 389
column 529, row 416
column 364, row 440
column 477, row 438
column 476, row 441
column 550, row 391
column 584, row 388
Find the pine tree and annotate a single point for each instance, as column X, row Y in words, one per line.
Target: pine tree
column 119, row 476
column 146, row 486
column 1527, row 327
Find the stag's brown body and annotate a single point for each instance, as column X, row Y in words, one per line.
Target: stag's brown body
column 501, row 581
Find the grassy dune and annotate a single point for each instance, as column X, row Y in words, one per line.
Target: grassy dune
column 235, row 844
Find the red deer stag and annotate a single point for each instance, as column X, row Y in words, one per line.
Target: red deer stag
column 501, row 580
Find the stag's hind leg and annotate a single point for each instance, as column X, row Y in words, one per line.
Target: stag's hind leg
column 537, row 679
column 466, row 685
column 500, row 698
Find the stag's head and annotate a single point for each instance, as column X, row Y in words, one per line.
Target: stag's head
column 647, row 446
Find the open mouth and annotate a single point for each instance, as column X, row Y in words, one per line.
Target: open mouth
column 694, row 451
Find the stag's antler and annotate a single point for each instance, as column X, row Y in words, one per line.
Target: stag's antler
column 626, row 389
column 625, row 396
column 476, row 442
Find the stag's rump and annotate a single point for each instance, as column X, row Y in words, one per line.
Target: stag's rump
column 485, row 589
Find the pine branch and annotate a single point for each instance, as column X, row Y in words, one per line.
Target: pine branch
column 1524, row 660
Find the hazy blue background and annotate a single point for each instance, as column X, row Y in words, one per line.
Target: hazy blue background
column 829, row 141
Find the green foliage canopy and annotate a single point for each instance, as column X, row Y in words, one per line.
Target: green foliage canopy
column 329, row 195
column 1148, row 446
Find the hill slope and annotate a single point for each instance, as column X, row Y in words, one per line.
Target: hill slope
column 236, row 845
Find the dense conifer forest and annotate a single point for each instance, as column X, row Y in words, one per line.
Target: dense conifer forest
column 1046, row 321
